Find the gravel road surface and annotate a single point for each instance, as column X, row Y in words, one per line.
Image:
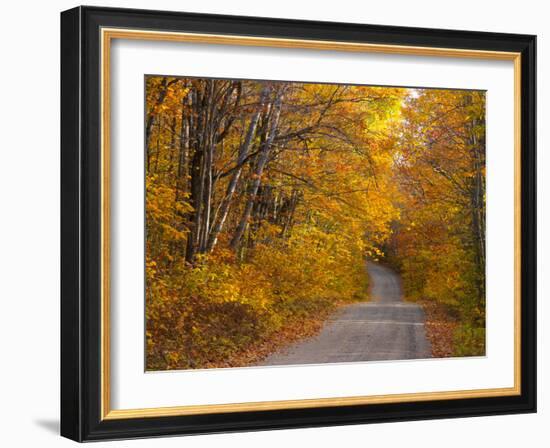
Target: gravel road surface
column 387, row 328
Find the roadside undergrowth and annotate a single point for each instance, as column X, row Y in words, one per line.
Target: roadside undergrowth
column 441, row 327
column 225, row 313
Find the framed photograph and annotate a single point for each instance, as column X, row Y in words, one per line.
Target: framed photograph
column 273, row 223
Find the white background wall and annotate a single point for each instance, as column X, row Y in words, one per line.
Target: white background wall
column 29, row 223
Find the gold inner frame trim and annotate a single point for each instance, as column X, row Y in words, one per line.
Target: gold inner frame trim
column 107, row 35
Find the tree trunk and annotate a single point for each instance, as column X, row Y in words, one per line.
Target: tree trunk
column 181, row 177
column 257, row 175
column 231, row 187
column 477, row 201
column 196, row 180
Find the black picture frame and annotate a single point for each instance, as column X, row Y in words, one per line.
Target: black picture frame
column 81, row 224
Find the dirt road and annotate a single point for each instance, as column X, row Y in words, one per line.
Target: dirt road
column 387, row 328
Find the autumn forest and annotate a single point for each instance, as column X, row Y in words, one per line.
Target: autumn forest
column 266, row 199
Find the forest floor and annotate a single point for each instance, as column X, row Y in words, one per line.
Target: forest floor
column 297, row 329
column 387, row 328
column 440, row 328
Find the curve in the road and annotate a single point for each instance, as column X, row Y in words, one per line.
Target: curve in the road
column 387, row 328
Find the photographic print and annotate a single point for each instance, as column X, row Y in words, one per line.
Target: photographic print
column 252, row 201
column 294, row 223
